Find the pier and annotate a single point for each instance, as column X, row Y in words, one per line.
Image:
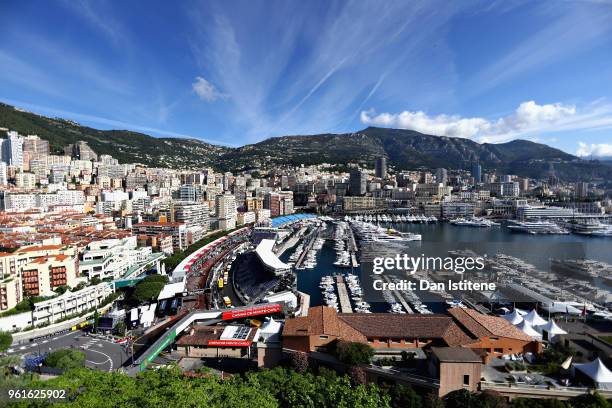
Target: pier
column 352, row 247
column 345, row 302
column 307, row 247
column 354, row 262
column 290, row 242
column 399, row 296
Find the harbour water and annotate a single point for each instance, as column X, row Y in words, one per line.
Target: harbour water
column 536, row 249
column 436, row 238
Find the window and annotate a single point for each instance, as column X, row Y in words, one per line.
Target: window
column 498, row 350
column 323, row 337
column 466, row 379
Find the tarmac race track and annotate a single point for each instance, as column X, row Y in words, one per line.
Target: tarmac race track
column 100, row 354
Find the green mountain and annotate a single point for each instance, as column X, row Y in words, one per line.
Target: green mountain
column 407, row 149
column 404, row 149
column 124, row 145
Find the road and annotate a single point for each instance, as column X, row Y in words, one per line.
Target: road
column 100, row 354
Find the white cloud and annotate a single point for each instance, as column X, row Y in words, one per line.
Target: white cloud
column 206, row 91
column 595, row 150
column 528, row 118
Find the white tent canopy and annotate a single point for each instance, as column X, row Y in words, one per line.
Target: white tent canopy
column 520, row 311
column 271, row 326
column 534, row 319
column 270, row 331
column 561, row 307
column 528, row 329
column 514, row 317
column 598, row 372
column 552, row 331
column 552, row 328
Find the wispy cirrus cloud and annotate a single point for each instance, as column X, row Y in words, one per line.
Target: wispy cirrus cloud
column 529, row 118
column 100, row 16
column 106, row 122
column 571, row 30
column 299, row 71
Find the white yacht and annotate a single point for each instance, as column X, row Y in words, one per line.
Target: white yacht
column 473, row 222
column 396, row 308
column 602, row 233
column 537, row 227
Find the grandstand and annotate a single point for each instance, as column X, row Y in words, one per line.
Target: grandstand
column 251, row 280
column 279, row 222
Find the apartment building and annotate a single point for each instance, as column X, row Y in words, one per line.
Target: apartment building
column 279, row 203
column 111, row 258
column 192, row 214
column 65, row 305
column 176, row 230
column 10, row 292
column 247, row 217
column 44, row 275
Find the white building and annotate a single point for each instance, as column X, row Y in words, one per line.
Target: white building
column 17, row 202
column 505, row 189
column 27, row 181
column 68, row 304
column 3, row 174
column 12, row 149
column 533, row 212
column 192, row 214
column 111, row 258
column 247, row 217
column 225, row 205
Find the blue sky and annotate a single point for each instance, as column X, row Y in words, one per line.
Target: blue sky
column 239, row 72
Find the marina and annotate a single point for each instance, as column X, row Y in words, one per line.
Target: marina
column 343, row 245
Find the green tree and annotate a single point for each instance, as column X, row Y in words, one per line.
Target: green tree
column 492, row 399
column 155, row 278
column 462, row 399
column 147, row 291
column 65, row 359
column 96, row 319
column 120, row 328
column 538, row 403
column 353, row 353
column 404, row 397
column 590, row 401
column 8, row 378
column 433, row 401
column 6, row 339
column 292, row 389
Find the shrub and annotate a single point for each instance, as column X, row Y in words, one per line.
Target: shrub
column 65, row 359
column 6, row 339
column 353, row 353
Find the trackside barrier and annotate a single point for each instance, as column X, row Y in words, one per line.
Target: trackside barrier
column 209, row 317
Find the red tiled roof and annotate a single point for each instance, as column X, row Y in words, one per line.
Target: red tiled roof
column 406, row 326
column 321, row 320
column 355, row 327
column 480, row 325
